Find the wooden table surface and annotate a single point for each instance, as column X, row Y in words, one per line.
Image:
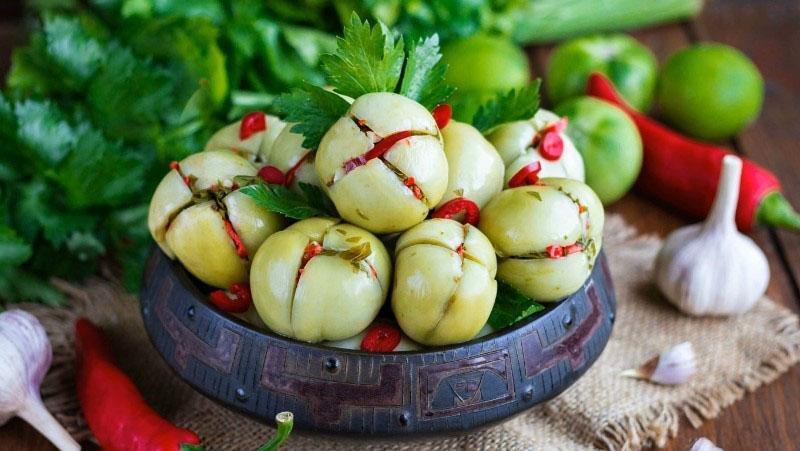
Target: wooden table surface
column 768, row 31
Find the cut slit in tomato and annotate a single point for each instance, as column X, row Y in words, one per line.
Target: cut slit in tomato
column 448, row 210
column 528, row 175
column 377, row 151
column 252, row 123
column 241, row 250
column 555, row 251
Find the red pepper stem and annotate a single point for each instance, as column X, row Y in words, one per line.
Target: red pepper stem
column 774, row 210
column 285, row 422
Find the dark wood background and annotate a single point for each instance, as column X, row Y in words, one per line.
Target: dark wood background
column 769, row 32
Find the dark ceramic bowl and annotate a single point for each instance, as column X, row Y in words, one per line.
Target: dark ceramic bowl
column 331, row 390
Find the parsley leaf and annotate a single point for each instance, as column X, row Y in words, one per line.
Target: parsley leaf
column 317, row 198
column 44, row 130
column 423, row 76
column 514, row 105
column 313, row 109
column 72, row 47
column 367, row 59
column 511, row 306
column 281, row 199
column 13, row 249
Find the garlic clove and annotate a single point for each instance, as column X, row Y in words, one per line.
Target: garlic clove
column 674, row 366
column 704, row 444
column 711, row 268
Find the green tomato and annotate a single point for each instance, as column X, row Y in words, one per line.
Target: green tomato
column 711, row 91
column 335, row 296
column 444, row 286
column 609, row 143
column 475, row 168
column 480, row 67
column 630, row 65
column 528, row 224
column 256, row 147
column 375, row 195
column 288, row 153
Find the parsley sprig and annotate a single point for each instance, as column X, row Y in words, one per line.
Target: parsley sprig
column 280, row 199
column 515, row 105
column 511, row 306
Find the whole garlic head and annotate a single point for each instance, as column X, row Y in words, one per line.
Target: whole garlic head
column 711, row 268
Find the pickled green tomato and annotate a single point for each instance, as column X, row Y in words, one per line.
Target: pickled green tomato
column 475, row 169
column 444, row 286
column 393, row 191
column 630, row 65
column 609, row 143
column 330, row 296
column 196, row 234
column 514, row 142
column 288, row 154
column 255, row 147
column 546, row 236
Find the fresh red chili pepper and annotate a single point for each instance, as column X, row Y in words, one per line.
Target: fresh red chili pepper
column 381, row 338
column 116, row 412
column 377, row 151
column 272, row 175
column 552, row 146
column 236, row 300
column 472, row 213
column 241, row 251
column 442, row 114
column 528, row 175
column 252, row 123
column 684, row 173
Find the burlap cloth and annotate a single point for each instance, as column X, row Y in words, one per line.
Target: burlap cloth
column 601, row 410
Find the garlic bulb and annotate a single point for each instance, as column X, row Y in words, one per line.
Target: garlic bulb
column 674, row 366
column 25, row 357
column 704, row 444
column 711, row 268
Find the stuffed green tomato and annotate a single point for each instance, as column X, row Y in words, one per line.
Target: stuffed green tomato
column 536, row 148
column 444, row 286
column 252, row 136
column 546, row 236
column 320, row 279
column 383, row 163
column 198, row 216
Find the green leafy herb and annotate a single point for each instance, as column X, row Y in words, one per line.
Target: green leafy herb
column 515, row 105
column 423, row 76
column 313, row 109
column 283, row 200
column 511, row 306
column 367, row 59
column 13, row 249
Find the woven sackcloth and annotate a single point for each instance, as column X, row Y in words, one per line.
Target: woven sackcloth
column 602, row 409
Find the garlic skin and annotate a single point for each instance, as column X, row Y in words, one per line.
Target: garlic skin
column 674, row 366
column 704, row 444
column 25, row 357
column 711, row 268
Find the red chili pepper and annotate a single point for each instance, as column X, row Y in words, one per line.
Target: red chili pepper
column 442, row 114
column 552, row 146
column 472, row 213
column 554, row 251
column 116, row 412
column 460, row 250
column 381, row 338
column 174, row 165
column 236, row 300
column 241, row 251
column 412, row 184
column 252, row 123
column 272, row 175
column 377, row 151
column 557, row 126
column 684, row 173
column 573, row 249
column 290, row 174
column 528, row 175
column 312, row 250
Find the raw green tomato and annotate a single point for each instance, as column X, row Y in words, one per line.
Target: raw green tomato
column 255, row 147
column 482, row 66
column 609, row 142
column 514, row 142
column 394, row 191
column 331, row 294
column 288, row 154
column 202, row 170
column 199, row 241
column 630, row 65
column 475, row 168
column 444, row 286
column 544, row 236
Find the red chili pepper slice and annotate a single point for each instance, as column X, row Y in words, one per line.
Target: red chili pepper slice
column 460, row 250
column 472, row 213
column 412, row 184
column 442, row 114
column 377, row 151
column 528, row 175
column 241, row 251
column 554, row 251
column 272, row 175
column 552, row 146
column 252, row 123
column 174, row 165
column 381, row 338
column 236, row 300
column 290, row 174
column 557, row 126
column 312, row 250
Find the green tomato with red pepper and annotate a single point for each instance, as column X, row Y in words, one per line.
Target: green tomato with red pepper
column 475, row 170
column 630, row 65
column 252, row 136
column 546, row 236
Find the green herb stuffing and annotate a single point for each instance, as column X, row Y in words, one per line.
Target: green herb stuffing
column 511, row 306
